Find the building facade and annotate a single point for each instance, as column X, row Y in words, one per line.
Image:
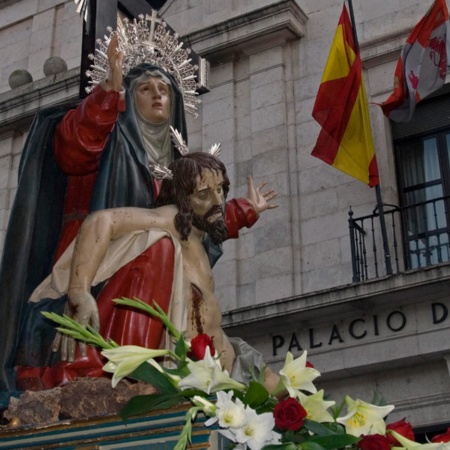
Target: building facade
column 292, row 282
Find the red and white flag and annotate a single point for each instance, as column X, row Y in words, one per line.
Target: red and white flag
column 422, row 66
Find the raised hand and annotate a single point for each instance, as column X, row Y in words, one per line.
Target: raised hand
column 115, row 58
column 259, row 199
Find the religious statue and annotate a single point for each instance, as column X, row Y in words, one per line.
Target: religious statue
column 92, row 156
column 190, row 206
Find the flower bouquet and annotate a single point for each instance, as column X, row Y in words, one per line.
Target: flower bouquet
column 295, row 416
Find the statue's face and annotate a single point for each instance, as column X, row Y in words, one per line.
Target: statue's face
column 153, row 100
column 208, row 196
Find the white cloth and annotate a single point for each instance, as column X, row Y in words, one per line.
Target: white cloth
column 120, row 252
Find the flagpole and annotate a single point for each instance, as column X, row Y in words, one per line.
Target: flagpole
column 387, row 256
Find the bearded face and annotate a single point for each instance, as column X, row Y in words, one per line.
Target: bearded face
column 212, row 223
column 198, row 189
column 207, row 202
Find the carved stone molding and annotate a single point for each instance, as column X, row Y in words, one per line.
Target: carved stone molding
column 18, row 106
column 383, row 49
column 250, row 32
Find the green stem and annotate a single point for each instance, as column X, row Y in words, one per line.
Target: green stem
column 75, row 330
column 185, row 435
column 157, row 312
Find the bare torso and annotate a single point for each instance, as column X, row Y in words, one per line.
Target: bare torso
column 204, row 313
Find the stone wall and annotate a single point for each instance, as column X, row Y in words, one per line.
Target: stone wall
column 30, row 32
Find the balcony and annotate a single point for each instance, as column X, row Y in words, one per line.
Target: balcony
column 415, row 236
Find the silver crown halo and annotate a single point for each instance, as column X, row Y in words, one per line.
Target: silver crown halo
column 181, row 146
column 161, row 172
column 82, row 8
column 147, row 40
column 215, row 149
column 178, row 141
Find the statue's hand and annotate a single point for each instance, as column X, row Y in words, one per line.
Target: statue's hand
column 259, row 199
column 81, row 307
column 115, row 58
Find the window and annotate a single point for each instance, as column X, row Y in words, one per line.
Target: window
column 422, row 149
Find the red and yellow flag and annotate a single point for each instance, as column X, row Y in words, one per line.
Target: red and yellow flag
column 345, row 141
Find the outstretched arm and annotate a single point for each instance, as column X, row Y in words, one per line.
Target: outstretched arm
column 244, row 212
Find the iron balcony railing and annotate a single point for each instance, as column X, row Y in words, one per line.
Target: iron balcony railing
column 415, row 236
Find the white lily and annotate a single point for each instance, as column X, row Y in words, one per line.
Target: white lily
column 208, row 376
column 364, row 418
column 208, row 408
column 257, row 431
column 411, row 445
column 229, row 414
column 295, row 375
column 316, row 407
column 127, row 358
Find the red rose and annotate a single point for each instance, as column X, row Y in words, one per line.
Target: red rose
column 401, row 427
column 198, row 346
column 374, row 442
column 308, row 364
column 444, row 437
column 289, row 415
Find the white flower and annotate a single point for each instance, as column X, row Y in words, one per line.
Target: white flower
column 364, row 418
column 316, row 407
column 127, row 358
column 257, row 430
column 296, row 375
column 208, row 376
column 229, row 414
column 208, row 408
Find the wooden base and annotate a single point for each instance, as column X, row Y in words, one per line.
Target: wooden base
column 159, row 430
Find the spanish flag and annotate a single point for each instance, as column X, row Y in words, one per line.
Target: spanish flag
column 345, row 141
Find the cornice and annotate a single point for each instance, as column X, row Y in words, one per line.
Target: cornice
column 429, row 283
column 18, row 106
column 250, row 32
column 383, row 49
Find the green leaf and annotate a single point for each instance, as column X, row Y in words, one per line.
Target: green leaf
column 333, row 442
column 142, row 404
column 320, row 429
column 296, row 437
column 188, row 393
column 151, row 375
column 181, row 371
column 288, row 446
column 256, row 395
column 181, row 348
column 311, row 446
